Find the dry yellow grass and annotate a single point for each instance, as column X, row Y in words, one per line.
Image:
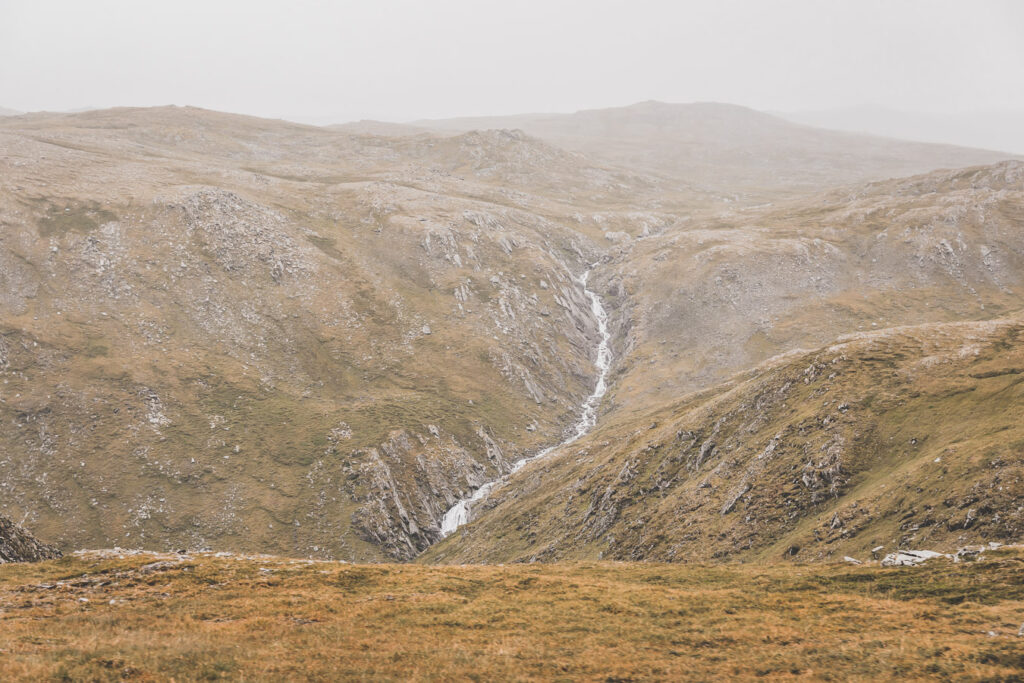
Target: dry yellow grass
column 204, row 618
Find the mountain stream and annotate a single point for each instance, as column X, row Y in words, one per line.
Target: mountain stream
column 459, row 513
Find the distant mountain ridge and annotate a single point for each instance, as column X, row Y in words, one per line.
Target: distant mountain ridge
column 743, row 154
column 995, row 130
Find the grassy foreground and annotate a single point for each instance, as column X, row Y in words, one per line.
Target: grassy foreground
column 144, row 617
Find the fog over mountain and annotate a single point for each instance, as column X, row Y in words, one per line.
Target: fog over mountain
column 527, row 340
column 996, row 130
column 402, row 60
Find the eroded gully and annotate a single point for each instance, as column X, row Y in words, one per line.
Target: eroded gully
column 459, row 513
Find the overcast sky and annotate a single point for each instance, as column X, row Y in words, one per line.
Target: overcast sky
column 406, row 59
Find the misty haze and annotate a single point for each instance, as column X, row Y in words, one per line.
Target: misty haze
column 511, row 341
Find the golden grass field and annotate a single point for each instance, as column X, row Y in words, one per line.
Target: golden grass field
column 99, row 617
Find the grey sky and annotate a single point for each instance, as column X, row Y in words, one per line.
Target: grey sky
column 403, row 59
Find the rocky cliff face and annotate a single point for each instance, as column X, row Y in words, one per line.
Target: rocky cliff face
column 18, row 545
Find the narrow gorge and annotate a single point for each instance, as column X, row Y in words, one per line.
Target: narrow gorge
column 461, row 512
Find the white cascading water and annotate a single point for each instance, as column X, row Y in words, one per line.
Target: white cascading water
column 459, row 513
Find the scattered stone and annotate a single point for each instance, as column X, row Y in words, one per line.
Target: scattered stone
column 968, row 553
column 851, row 560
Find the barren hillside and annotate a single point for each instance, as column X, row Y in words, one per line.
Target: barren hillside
column 736, row 154
column 231, row 332
column 908, row 438
column 718, row 293
column 225, row 332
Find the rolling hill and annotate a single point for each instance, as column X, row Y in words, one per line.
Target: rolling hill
column 739, row 155
column 907, row 438
column 242, row 334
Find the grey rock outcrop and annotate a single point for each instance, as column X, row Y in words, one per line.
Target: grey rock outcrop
column 18, row 545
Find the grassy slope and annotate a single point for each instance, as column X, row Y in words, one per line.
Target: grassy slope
column 212, row 327
column 207, row 618
column 910, row 438
column 721, row 293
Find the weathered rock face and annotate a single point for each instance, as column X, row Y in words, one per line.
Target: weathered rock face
column 18, row 545
column 404, row 520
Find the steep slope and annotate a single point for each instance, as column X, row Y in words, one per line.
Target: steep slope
column 253, row 335
column 18, row 545
column 735, row 153
column 717, row 294
column 907, row 438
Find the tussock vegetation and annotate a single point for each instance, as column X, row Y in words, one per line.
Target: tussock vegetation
column 107, row 618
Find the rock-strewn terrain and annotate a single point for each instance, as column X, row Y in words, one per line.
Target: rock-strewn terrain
column 225, row 332
column 18, row 545
column 722, row 292
column 908, row 438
